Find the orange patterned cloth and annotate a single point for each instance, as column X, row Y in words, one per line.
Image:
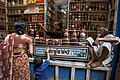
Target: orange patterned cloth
column 21, row 67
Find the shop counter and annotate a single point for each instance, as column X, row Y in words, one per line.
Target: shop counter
column 67, row 70
column 68, row 63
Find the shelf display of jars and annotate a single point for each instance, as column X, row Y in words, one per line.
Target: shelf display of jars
column 88, row 15
column 33, row 12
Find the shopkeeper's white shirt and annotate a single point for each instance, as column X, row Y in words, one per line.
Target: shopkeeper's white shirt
column 99, row 48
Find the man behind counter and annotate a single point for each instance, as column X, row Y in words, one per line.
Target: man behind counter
column 58, row 33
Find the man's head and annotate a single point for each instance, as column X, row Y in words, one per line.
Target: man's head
column 58, row 25
column 102, row 31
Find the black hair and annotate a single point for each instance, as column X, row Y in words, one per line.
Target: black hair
column 60, row 24
column 20, row 27
column 38, row 61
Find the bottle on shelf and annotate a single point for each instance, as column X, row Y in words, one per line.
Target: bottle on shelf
column 37, row 37
column 13, row 3
column 74, row 39
column 103, row 17
column 82, row 35
column 32, row 33
column 24, row 2
column 66, row 39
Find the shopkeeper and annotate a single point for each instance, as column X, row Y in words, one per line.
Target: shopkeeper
column 58, row 31
column 102, row 48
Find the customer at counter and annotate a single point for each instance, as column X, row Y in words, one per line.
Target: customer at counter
column 41, row 67
column 57, row 33
column 15, row 62
column 102, row 48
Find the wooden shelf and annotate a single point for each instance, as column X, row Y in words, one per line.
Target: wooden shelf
column 89, row 21
column 102, row 11
column 85, row 30
column 100, row 1
column 24, row 6
column 34, row 13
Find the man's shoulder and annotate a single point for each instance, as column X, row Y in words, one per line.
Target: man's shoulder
column 109, row 35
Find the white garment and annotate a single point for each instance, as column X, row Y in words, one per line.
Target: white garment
column 99, row 48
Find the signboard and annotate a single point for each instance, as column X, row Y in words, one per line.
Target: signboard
column 60, row 52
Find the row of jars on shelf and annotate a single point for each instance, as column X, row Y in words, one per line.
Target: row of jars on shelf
column 29, row 18
column 85, row 6
column 23, row 2
column 85, row 25
column 30, row 26
column 72, row 38
column 51, row 4
column 72, row 25
column 37, row 9
column 40, row 40
column 88, row 17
